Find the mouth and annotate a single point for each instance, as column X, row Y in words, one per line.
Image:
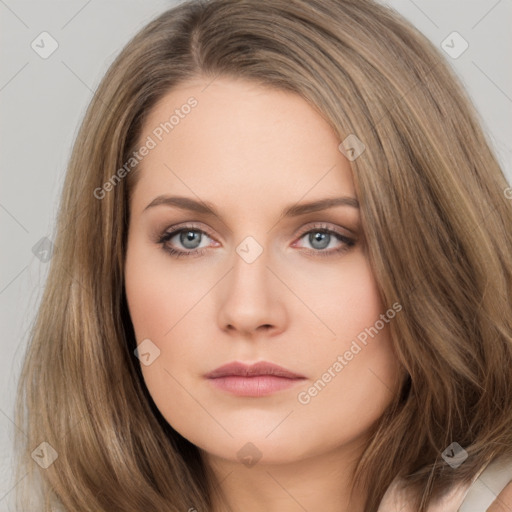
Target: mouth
column 256, row 380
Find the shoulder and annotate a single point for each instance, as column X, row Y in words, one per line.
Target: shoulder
column 491, row 489
column 476, row 496
column 503, row 502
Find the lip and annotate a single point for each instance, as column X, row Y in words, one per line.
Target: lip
column 239, row 369
column 253, row 380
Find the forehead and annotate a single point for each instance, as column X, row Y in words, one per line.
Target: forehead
column 229, row 139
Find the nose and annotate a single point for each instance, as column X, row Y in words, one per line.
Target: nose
column 251, row 299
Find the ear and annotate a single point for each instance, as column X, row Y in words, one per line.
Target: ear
column 503, row 503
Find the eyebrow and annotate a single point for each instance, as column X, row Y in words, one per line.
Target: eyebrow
column 206, row 208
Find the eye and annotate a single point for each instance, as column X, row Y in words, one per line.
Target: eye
column 188, row 241
column 321, row 238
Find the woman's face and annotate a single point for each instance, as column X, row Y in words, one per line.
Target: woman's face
column 263, row 278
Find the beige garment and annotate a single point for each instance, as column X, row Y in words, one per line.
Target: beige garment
column 474, row 497
column 486, row 488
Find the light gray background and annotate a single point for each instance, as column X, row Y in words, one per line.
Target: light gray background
column 43, row 100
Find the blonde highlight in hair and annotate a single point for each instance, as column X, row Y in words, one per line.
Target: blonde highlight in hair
column 435, row 217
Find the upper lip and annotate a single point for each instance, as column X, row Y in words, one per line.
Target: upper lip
column 250, row 370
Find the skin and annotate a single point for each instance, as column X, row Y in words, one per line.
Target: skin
column 503, row 502
column 251, row 152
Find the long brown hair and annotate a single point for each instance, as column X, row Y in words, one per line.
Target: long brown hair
column 436, row 219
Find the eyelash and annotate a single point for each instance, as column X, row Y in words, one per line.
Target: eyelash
column 317, row 228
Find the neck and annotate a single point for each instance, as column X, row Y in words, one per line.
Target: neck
column 323, row 482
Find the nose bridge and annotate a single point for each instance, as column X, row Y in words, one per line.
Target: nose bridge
column 250, row 250
column 250, row 274
column 250, row 297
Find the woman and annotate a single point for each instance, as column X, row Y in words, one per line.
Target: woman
column 340, row 338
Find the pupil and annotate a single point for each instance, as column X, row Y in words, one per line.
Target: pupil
column 187, row 238
column 322, row 238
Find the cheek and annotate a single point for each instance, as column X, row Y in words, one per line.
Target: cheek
column 159, row 292
column 357, row 372
column 344, row 299
column 354, row 383
column 160, row 299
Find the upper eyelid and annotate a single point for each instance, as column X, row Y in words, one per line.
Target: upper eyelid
column 320, row 226
column 189, row 225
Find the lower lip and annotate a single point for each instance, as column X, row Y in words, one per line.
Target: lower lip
column 261, row 385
